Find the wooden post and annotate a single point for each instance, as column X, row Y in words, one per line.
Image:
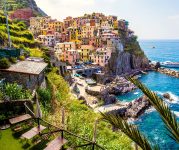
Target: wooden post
column 135, row 146
column 94, row 134
column 63, row 121
column 63, row 125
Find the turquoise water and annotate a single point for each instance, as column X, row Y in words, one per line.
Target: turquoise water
column 150, row 123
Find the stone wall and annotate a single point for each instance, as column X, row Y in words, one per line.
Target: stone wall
column 28, row 81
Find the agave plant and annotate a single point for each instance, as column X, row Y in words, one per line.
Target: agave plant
column 168, row 117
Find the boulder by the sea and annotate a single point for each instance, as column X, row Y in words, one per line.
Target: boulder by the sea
column 134, row 109
column 166, row 95
column 137, row 107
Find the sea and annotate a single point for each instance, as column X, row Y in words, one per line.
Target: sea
column 150, row 123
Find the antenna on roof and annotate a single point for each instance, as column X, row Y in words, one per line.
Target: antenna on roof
column 7, row 24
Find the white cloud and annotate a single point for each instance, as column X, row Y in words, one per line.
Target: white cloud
column 61, row 8
column 77, row 2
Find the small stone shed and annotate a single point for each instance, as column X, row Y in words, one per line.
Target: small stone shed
column 29, row 74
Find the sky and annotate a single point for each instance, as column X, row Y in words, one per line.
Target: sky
column 149, row 19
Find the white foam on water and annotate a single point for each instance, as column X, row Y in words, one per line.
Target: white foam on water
column 131, row 120
column 148, row 111
column 160, row 93
column 176, row 113
column 175, row 98
column 136, row 93
column 154, row 62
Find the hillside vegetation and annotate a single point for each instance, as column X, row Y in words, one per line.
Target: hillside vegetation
column 21, row 37
column 79, row 118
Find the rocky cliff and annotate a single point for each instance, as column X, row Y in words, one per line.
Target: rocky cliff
column 131, row 58
column 23, row 7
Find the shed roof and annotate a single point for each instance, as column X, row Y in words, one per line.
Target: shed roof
column 27, row 67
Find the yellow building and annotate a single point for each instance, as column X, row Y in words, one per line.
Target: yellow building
column 43, row 31
column 115, row 24
column 57, row 26
column 74, row 23
column 75, row 34
column 85, row 52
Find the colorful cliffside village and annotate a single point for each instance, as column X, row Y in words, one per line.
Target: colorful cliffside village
column 89, row 39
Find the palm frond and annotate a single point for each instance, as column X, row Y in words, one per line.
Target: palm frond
column 130, row 130
column 168, row 117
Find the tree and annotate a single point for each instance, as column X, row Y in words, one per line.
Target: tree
column 168, row 117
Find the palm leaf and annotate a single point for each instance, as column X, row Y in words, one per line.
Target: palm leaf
column 130, row 130
column 168, row 117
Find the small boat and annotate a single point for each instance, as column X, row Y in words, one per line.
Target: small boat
column 153, row 47
column 170, row 64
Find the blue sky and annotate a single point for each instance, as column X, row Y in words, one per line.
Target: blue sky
column 150, row 19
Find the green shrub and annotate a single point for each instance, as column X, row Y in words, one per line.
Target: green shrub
column 15, row 92
column 2, row 117
column 22, row 58
column 4, row 63
column 1, row 96
column 45, row 97
column 13, row 60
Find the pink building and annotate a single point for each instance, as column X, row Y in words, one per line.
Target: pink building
column 64, row 37
column 109, row 35
column 71, row 56
column 101, row 56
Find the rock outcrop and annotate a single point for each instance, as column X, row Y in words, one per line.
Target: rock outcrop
column 167, row 96
column 137, row 107
column 124, row 62
column 93, row 91
column 169, row 72
column 134, row 109
column 119, row 86
column 109, row 99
